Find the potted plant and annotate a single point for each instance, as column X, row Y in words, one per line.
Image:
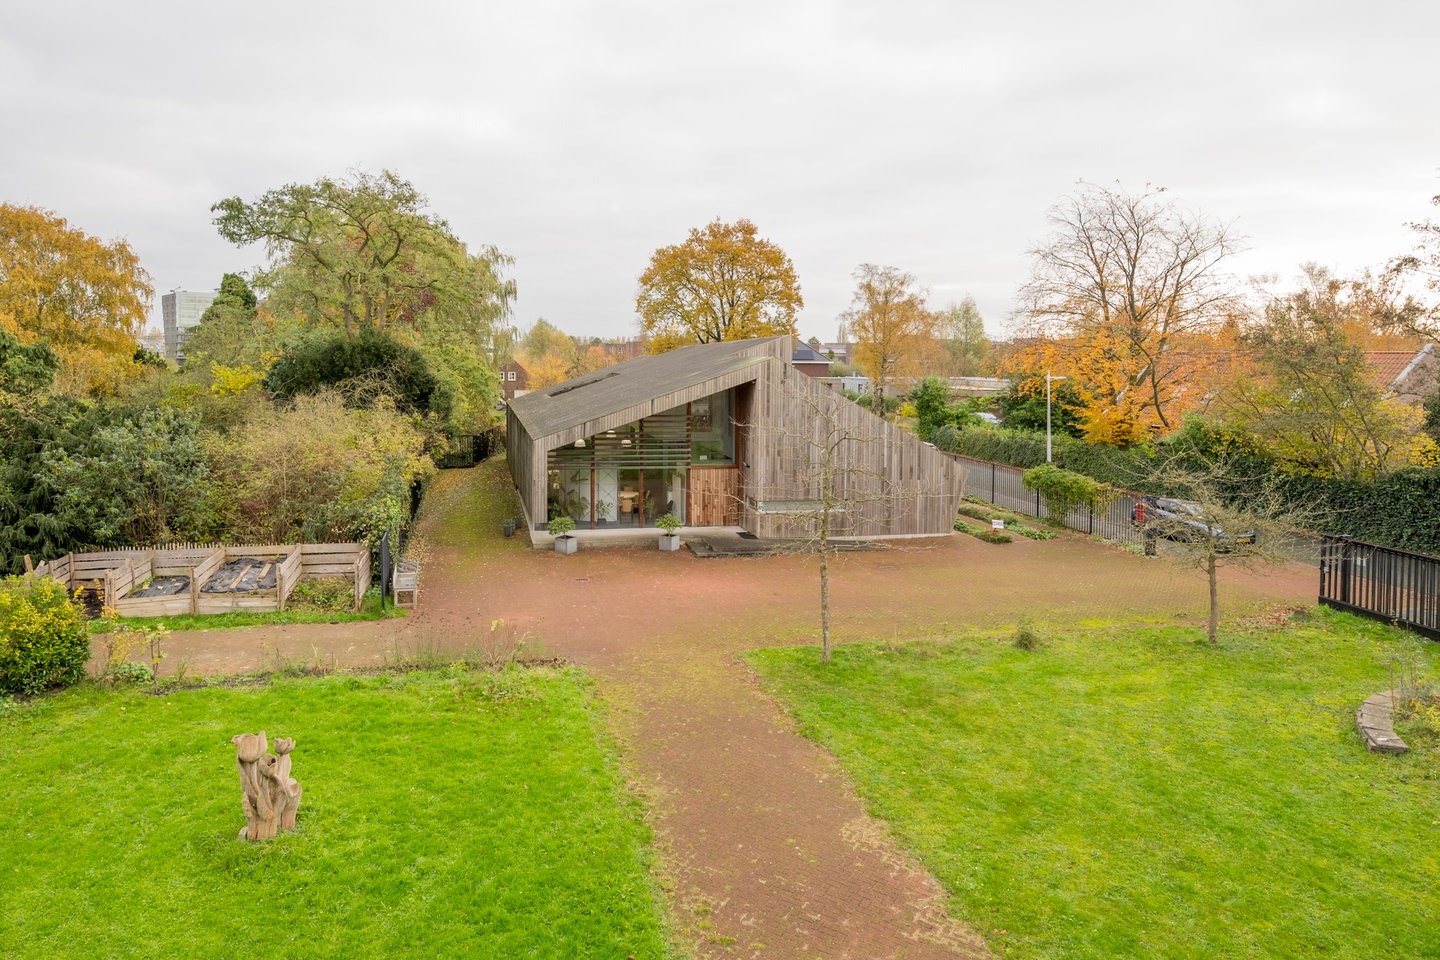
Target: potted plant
column 560, row 529
column 602, row 511
column 670, row 539
column 508, row 526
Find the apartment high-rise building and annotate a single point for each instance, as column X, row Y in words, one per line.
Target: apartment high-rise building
column 180, row 311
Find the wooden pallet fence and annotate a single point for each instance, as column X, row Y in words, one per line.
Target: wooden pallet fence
column 114, row 574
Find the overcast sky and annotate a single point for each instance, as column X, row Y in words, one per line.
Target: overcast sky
column 579, row 137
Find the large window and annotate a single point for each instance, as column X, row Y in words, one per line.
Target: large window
column 712, row 429
column 636, row 473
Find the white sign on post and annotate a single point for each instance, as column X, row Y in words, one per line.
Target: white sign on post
column 997, row 524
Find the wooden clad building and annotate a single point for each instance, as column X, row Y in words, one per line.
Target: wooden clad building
column 721, row 434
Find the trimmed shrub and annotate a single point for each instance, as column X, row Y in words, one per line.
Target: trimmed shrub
column 1064, row 490
column 987, row 534
column 43, row 640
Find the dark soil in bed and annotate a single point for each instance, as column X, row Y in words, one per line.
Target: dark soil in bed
column 244, row 574
column 162, row 587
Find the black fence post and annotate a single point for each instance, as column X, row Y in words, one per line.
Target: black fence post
column 1344, row 568
column 384, row 568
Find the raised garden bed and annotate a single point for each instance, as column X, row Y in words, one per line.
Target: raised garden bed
column 207, row 579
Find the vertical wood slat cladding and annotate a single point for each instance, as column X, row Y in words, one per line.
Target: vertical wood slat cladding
column 892, row 484
column 714, row 497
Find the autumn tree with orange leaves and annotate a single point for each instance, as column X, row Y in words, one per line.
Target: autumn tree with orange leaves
column 1130, row 299
column 725, row 282
column 85, row 297
column 894, row 331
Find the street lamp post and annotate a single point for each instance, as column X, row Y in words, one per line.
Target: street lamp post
column 1049, row 444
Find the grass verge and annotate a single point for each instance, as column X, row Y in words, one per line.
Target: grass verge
column 446, row 814
column 369, row 610
column 1136, row 793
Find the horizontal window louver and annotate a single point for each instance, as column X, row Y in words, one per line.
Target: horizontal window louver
column 659, row 441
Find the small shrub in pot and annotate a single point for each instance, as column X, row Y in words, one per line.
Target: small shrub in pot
column 670, row 524
column 560, row 529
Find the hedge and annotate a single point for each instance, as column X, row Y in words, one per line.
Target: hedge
column 1399, row 509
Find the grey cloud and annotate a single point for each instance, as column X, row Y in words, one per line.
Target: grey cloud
column 579, row 136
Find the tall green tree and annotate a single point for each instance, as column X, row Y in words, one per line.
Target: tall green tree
column 961, row 330
column 365, row 252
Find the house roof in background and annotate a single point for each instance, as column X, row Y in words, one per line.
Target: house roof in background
column 804, row 353
column 1385, row 367
column 612, row 389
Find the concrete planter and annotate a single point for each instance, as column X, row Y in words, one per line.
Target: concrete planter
column 508, row 527
column 566, row 544
column 669, row 541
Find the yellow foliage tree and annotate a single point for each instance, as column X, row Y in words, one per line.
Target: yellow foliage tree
column 725, row 282
column 85, row 297
column 552, row 368
column 892, row 329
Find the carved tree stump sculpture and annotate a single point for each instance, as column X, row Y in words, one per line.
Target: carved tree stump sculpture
column 270, row 797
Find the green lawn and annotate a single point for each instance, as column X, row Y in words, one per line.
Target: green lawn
column 446, row 814
column 1133, row 793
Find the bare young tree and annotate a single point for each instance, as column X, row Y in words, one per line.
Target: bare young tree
column 1213, row 527
column 1138, row 270
column 830, row 490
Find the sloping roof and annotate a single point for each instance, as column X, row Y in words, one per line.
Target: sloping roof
column 612, row 389
column 1384, row 367
column 804, row 353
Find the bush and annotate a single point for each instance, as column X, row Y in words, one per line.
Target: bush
column 987, row 534
column 43, row 640
column 1064, row 490
column 560, row 526
column 319, row 470
column 669, row 523
column 364, row 366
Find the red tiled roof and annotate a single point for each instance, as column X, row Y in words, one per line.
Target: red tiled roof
column 1385, row 366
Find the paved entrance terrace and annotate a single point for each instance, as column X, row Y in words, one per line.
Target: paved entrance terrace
column 764, row 846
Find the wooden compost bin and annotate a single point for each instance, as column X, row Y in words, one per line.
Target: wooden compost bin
column 116, row 576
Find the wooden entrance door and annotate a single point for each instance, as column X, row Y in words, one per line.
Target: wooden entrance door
column 713, row 497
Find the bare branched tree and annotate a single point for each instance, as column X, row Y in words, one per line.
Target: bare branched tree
column 1143, row 272
column 1214, row 528
column 831, row 490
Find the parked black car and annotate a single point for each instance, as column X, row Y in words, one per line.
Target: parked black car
column 1180, row 520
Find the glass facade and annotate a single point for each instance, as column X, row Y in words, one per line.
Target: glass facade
column 635, row 474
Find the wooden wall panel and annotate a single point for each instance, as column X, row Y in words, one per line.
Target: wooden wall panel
column 892, row 484
column 714, row 497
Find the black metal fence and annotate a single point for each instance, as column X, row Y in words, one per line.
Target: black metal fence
column 470, row 449
column 1382, row 583
column 1001, row 485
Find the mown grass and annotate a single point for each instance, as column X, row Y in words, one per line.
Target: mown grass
column 446, row 814
column 1135, row 793
column 369, row 610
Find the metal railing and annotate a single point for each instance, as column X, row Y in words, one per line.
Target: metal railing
column 1382, row 583
column 469, row 449
column 1001, row 485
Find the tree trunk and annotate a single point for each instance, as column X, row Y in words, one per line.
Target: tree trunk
column 1214, row 621
column 825, row 585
